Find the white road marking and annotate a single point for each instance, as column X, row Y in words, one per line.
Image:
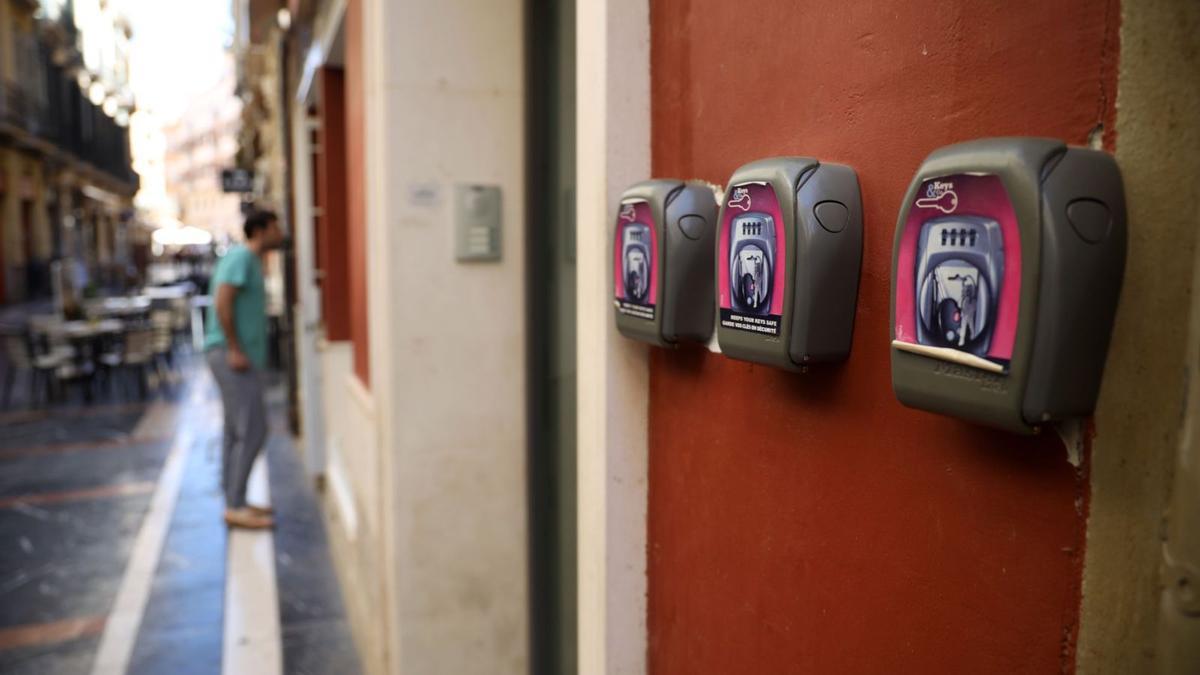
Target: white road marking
column 121, row 628
column 252, row 644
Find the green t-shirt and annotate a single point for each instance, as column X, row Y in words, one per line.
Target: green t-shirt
column 240, row 268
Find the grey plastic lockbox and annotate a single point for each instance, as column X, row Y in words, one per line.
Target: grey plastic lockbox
column 1007, row 264
column 662, row 262
column 788, row 256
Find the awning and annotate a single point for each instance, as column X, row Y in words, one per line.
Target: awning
column 178, row 234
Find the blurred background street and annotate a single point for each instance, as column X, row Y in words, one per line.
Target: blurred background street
column 129, row 154
column 424, row 244
column 120, row 558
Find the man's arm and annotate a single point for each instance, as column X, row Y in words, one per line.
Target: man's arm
column 226, row 294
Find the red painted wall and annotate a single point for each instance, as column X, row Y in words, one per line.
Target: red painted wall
column 356, row 195
column 332, row 233
column 809, row 523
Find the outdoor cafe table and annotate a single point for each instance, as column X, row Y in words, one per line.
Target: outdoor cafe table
column 50, row 325
column 78, row 333
column 86, row 337
column 87, row 330
column 119, row 306
column 176, row 292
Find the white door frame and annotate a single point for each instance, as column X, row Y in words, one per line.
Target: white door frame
column 613, row 151
column 308, row 309
column 327, row 28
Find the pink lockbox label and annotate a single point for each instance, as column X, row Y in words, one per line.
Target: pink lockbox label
column 752, row 267
column 958, row 276
column 635, row 261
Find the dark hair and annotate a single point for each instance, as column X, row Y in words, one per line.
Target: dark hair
column 258, row 221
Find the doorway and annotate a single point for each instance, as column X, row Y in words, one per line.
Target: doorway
column 550, row 296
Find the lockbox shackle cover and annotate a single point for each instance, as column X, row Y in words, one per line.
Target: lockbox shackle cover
column 662, row 262
column 788, row 256
column 1007, row 263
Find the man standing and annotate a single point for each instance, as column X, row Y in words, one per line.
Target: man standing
column 235, row 344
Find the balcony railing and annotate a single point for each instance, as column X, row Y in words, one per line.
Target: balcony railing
column 46, row 103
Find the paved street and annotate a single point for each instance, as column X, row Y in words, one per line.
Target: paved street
column 114, row 559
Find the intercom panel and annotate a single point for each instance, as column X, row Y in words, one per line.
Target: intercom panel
column 788, row 260
column 1007, row 263
column 662, row 271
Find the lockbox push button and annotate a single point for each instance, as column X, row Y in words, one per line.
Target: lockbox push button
column 1006, row 268
column 662, row 262
column 693, row 226
column 1090, row 218
column 832, row 216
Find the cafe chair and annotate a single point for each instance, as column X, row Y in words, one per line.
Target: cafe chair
column 162, row 323
column 138, row 357
column 78, row 373
column 21, row 358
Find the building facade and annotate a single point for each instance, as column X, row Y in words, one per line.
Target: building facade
column 199, row 145
column 68, row 183
column 511, row 486
column 260, row 49
column 148, row 145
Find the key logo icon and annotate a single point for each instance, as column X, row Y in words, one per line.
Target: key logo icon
column 741, row 199
column 945, row 202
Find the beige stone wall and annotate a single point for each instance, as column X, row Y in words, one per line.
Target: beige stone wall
column 444, row 102
column 352, row 504
column 10, row 212
column 1142, row 407
column 424, row 483
column 8, row 28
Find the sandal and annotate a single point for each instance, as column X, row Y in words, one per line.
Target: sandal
column 247, row 519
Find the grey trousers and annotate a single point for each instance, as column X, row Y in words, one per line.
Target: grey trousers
column 245, row 425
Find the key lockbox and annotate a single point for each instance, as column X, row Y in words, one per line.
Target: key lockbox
column 662, row 262
column 1007, row 263
column 788, row 260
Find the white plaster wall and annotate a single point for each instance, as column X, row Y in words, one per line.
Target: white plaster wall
column 352, row 501
column 351, row 438
column 445, row 105
column 613, row 151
